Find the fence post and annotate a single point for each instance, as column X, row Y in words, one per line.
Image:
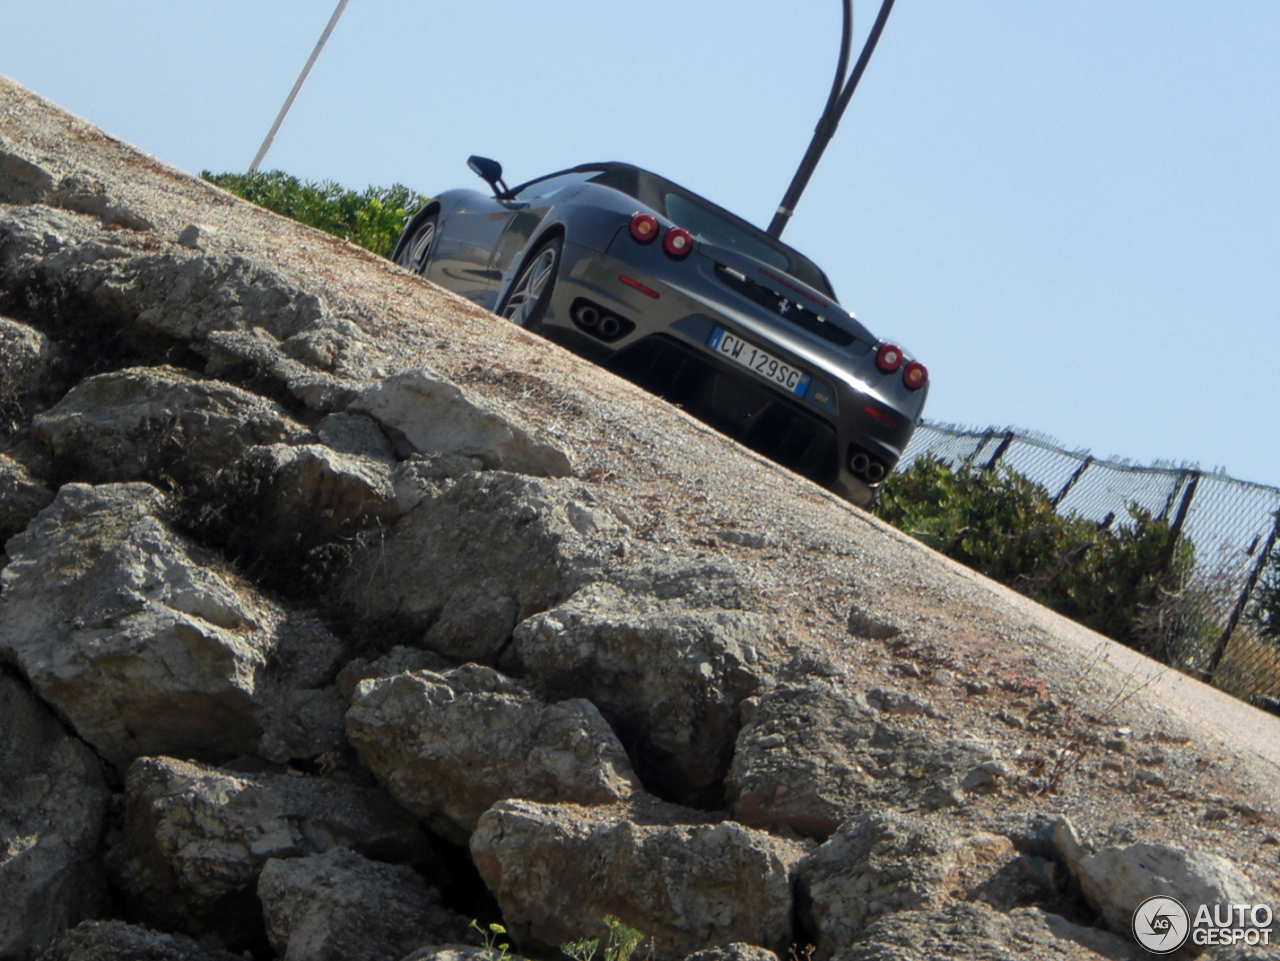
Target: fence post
column 1071, row 481
column 981, row 444
column 1241, row 601
column 999, row 451
column 1175, row 529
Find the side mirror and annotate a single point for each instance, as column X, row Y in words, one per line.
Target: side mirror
column 490, row 171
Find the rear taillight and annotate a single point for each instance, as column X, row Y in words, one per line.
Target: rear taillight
column 888, row 358
column 915, row 375
column 644, row 228
column 677, row 243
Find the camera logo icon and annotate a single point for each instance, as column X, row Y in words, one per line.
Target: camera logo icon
column 1161, row 924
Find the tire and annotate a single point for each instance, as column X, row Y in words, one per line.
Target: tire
column 526, row 303
column 417, row 251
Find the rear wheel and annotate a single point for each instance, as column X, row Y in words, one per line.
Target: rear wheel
column 415, row 253
column 527, row 301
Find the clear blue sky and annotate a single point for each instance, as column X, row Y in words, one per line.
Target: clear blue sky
column 1069, row 211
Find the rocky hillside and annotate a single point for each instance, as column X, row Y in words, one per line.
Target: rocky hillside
column 336, row 613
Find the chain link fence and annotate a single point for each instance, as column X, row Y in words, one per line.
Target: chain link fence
column 1231, row 525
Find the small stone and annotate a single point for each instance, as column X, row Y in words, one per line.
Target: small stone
column 975, row 688
column 196, row 236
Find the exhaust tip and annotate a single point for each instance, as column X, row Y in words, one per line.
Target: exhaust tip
column 587, row 315
column 859, row 463
column 609, row 326
column 875, row 472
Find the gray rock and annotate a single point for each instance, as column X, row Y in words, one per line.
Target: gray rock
column 670, row 678
column 147, row 423
column 53, row 802
column 795, row 764
column 398, row 660
column 448, row 746
column 117, row 941
column 196, row 236
column 738, row 951
column 976, row 932
column 556, row 870
column 22, row 497
column 315, row 492
column 355, row 434
column 339, row 906
column 475, row 624
column 146, row 644
column 86, row 195
column 195, row 839
column 425, row 414
column 27, row 360
column 301, row 724
column 814, row 755
column 450, row 952
column 131, row 633
column 877, row 864
column 508, row 532
column 1116, row 880
column 22, row 179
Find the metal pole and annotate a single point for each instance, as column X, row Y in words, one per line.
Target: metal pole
column 302, row 77
column 830, row 117
column 1175, row 529
column 1241, row 601
column 1071, row 481
column 1004, row 446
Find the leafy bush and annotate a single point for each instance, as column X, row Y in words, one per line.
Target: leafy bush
column 372, row 219
column 619, row 946
column 1005, row 526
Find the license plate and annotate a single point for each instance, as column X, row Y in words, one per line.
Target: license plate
column 761, row 362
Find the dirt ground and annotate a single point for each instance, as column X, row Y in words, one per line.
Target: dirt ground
column 1129, row 750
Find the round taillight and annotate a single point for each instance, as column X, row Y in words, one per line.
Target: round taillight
column 677, row 243
column 915, row 376
column 889, row 358
column 644, row 228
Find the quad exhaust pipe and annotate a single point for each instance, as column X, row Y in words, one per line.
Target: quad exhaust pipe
column 586, row 316
column 609, row 326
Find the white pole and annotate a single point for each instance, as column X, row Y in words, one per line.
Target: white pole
column 271, row 134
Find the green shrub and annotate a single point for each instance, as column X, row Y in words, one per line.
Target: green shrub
column 1005, row 526
column 372, row 219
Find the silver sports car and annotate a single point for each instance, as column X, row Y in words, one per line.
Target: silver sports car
column 687, row 300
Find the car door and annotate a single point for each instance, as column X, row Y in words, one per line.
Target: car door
column 531, row 205
column 465, row 246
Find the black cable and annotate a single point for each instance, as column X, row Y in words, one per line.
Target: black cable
column 830, row 117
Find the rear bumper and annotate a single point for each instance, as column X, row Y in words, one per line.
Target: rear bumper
column 838, row 414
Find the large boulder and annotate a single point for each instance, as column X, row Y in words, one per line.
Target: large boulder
column 53, row 802
column 22, row 497
column 668, row 676
column 815, row 754
column 425, row 414
column 196, row 838
column 142, row 641
column 557, row 870
column 27, row 359
column 118, row 941
column 148, row 423
column 448, row 746
column 339, row 906
column 495, row 535
column 177, row 292
column 1116, row 880
column 874, row 865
